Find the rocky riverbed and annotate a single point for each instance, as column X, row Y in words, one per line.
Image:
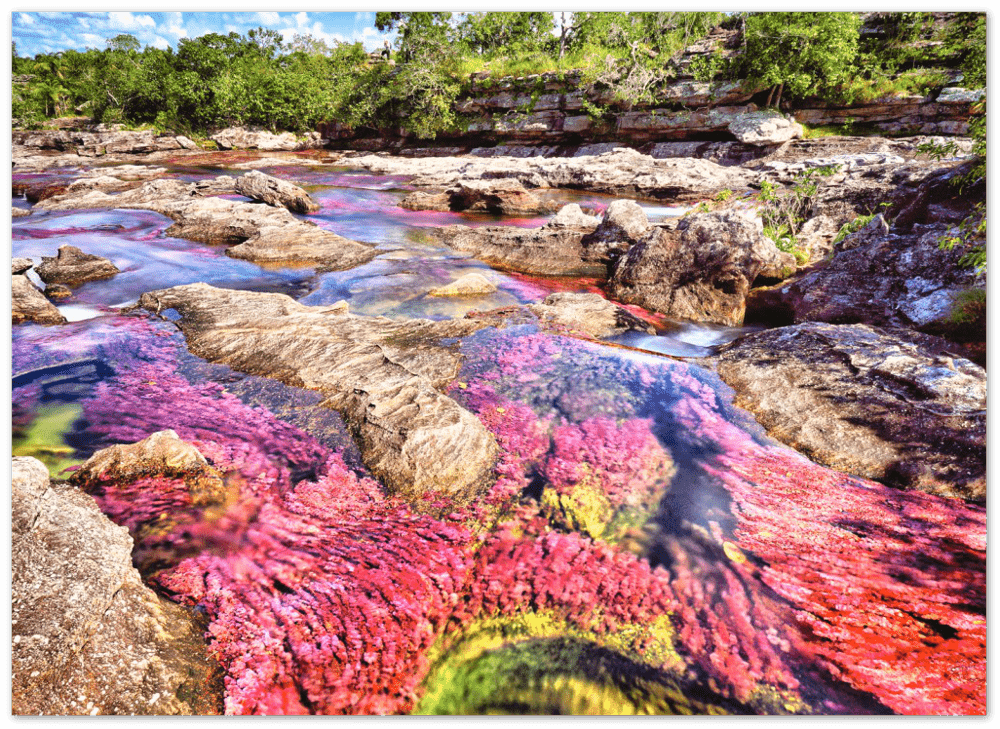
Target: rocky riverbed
column 304, row 431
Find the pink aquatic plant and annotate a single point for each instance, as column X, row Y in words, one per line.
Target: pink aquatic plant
column 625, row 458
column 891, row 584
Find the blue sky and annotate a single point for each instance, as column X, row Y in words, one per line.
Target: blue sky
column 45, row 32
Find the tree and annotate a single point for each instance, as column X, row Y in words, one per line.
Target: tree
column 505, row 32
column 799, row 53
column 419, row 94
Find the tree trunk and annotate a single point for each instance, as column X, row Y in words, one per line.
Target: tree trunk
column 770, row 96
column 777, row 104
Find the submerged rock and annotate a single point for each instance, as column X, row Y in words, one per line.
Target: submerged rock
column 161, row 454
column 88, row 636
column 72, row 267
column 383, row 376
column 887, row 405
column 471, row 284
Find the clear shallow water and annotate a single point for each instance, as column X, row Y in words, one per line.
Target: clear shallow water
column 644, row 542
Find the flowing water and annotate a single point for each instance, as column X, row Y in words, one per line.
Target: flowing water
column 646, row 547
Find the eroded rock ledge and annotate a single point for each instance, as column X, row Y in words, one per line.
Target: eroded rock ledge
column 890, row 405
column 259, row 233
column 383, row 376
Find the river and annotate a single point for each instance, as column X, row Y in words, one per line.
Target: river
column 646, row 547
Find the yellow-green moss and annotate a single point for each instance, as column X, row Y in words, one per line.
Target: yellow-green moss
column 43, row 439
column 537, row 662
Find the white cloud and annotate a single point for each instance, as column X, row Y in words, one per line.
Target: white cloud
column 161, row 43
column 26, row 19
column 128, row 21
column 302, row 19
column 267, row 19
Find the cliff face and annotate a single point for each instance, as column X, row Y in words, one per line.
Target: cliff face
column 561, row 108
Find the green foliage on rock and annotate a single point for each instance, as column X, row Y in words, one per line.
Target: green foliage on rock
column 799, row 54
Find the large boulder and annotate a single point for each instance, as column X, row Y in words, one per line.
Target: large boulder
column 279, row 193
column 624, row 223
column 20, row 265
column 701, row 271
column 500, row 197
column 889, row 405
column 71, row 267
column 589, row 314
column 88, row 636
column 765, row 128
column 385, row 377
column 243, row 138
column 888, row 279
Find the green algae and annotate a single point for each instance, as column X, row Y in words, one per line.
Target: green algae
column 43, row 439
column 537, row 662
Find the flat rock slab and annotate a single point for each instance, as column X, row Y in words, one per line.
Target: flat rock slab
column 88, row 636
column 552, row 250
column 383, row 376
column 888, row 405
column 619, row 172
column 259, row 233
column 20, row 265
column 590, row 314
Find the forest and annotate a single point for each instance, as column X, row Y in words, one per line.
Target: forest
column 216, row 81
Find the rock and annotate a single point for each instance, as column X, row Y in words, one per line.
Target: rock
column 623, row 225
column 590, row 314
column 20, row 265
column 279, row 193
column 875, row 230
column 27, row 303
column 57, row 292
column 572, row 216
column 623, row 172
column 259, row 233
column 439, row 201
column 958, row 95
column 243, row 138
column 887, row 405
column 88, row 636
column 504, row 197
column 500, row 197
column 702, row 271
column 161, row 454
column 471, row 284
column 383, row 377
column 552, row 250
column 72, row 267
column 816, row 237
column 893, row 279
column 37, row 193
column 764, row 128
column 19, row 212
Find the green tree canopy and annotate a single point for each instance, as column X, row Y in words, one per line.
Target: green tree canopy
column 800, row 54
